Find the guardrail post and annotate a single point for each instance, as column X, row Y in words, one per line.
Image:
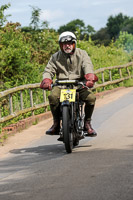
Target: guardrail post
column 44, row 95
column 0, row 109
column 10, row 103
column 31, row 100
column 120, row 72
column 128, row 71
column 103, row 77
column 110, row 75
column 21, row 100
column 45, row 99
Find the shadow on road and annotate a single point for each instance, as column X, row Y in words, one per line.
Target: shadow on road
column 54, row 149
column 30, row 170
column 25, row 158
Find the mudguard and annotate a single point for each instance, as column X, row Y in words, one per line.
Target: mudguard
column 65, row 103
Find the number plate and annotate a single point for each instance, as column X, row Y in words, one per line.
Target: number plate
column 67, row 94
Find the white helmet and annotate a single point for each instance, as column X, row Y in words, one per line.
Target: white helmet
column 67, row 36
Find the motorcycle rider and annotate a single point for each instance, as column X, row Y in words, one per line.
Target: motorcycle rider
column 70, row 63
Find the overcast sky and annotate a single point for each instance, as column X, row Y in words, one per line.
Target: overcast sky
column 60, row 12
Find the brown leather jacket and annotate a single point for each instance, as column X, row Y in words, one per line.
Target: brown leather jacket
column 68, row 67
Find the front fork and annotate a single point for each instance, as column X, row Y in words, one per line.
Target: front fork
column 71, row 114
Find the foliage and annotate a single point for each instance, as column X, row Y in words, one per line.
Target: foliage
column 128, row 26
column 128, row 83
column 105, row 35
column 102, row 56
column 101, row 37
column 72, row 26
column 125, row 41
column 15, row 56
column 24, row 55
column 3, row 18
column 115, row 24
column 75, row 25
column 35, row 17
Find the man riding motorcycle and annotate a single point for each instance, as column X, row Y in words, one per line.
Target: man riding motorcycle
column 70, row 63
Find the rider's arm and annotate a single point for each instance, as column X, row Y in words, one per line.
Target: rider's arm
column 89, row 75
column 87, row 65
column 50, row 69
column 49, row 73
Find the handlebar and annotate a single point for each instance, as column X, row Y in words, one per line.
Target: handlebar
column 69, row 82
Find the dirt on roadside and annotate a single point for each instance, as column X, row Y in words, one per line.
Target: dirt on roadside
column 34, row 132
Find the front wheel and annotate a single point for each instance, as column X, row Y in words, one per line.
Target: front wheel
column 66, row 128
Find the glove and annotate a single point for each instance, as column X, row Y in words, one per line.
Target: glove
column 90, row 79
column 46, row 84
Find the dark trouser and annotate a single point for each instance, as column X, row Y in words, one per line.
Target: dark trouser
column 85, row 95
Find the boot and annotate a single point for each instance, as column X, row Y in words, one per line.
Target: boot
column 90, row 131
column 55, row 128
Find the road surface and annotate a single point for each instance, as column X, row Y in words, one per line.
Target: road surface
column 99, row 168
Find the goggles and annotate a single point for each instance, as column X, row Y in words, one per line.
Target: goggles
column 67, row 39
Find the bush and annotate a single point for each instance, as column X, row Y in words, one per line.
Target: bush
column 125, row 41
column 102, row 56
column 23, row 56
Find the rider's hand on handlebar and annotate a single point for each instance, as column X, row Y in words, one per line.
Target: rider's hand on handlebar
column 89, row 84
column 90, row 79
column 46, row 84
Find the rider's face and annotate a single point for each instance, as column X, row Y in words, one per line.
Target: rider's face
column 67, row 47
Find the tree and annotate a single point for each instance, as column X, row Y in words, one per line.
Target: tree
column 86, row 33
column 90, row 30
column 115, row 25
column 72, row 26
column 45, row 24
column 3, row 18
column 35, row 18
column 78, row 26
column 35, row 21
column 101, row 37
column 128, row 26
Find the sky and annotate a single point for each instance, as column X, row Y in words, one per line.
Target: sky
column 60, row 12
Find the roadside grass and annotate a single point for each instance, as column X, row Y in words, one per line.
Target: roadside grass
column 128, row 83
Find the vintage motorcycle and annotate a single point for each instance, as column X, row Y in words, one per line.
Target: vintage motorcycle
column 71, row 113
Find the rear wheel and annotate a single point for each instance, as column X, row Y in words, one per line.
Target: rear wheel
column 67, row 135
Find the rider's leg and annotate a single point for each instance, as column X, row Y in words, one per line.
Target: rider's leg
column 89, row 98
column 55, row 110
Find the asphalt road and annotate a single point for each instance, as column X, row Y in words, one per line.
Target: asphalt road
column 99, row 168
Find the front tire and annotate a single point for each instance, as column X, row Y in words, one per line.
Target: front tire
column 66, row 128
